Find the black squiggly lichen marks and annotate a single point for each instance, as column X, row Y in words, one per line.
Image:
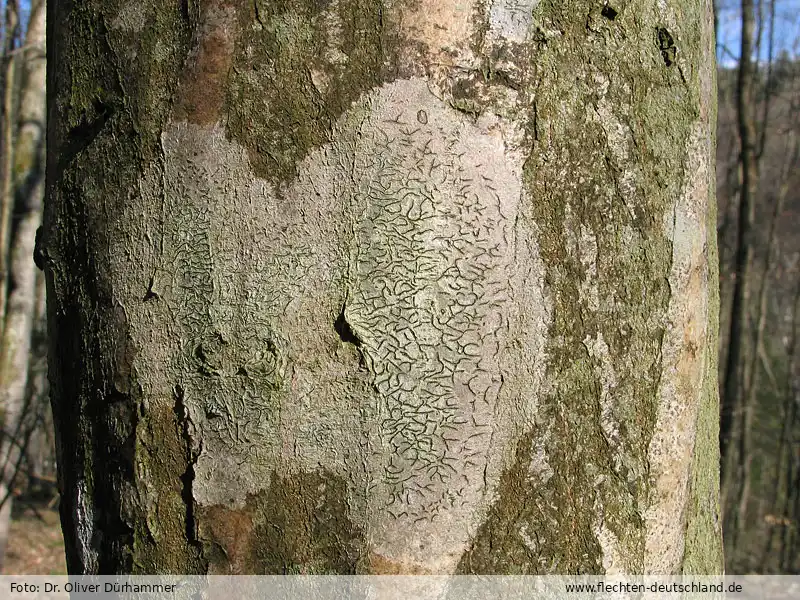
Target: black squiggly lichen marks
column 434, row 204
column 232, row 358
column 403, row 232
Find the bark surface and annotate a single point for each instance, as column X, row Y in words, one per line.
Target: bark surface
column 384, row 287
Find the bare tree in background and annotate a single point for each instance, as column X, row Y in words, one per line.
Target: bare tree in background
column 733, row 412
column 8, row 126
column 28, row 186
column 753, row 437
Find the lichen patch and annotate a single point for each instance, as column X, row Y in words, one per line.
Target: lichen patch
column 430, row 280
column 510, row 20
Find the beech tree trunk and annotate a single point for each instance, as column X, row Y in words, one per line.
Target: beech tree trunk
column 367, row 286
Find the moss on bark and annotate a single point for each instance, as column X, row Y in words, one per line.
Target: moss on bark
column 299, row 526
column 299, row 64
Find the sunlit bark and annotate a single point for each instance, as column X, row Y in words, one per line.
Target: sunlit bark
column 384, row 287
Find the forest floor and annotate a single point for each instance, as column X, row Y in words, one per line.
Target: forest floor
column 35, row 543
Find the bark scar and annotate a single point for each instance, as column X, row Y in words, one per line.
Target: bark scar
column 192, row 453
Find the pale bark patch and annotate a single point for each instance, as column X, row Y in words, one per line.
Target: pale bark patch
column 587, row 251
column 428, row 299
column 443, row 28
column 432, row 274
column 614, row 562
column 510, row 20
column 86, row 546
column 684, row 358
column 539, row 470
column 130, row 17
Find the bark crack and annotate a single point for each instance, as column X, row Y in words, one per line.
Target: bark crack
column 344, row 330
column 187, row 478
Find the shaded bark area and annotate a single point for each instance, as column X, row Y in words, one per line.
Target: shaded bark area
column 367, row 288
column 96, row 413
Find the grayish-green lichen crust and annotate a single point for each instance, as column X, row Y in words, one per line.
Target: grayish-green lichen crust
column 404, row 227
column 431, row 292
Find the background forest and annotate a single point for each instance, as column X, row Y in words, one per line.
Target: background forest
column 759, row 248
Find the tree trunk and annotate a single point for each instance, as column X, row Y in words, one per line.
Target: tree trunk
column 782, row 522
column 7, row 127
column 753, row 384
column 29, row 192
column 735, row 412
column 40, row 451
column 384, row 287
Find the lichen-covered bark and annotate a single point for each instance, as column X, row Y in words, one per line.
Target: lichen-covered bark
column 396, row 287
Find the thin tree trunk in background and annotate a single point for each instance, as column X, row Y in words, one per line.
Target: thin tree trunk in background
column 6, row 206
column 40, row 452
column 21, row 306
column 768, row 87
column 752, row 377
column 7, row 168
column 789, row 549
column 733, row 414
column 781, row 494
